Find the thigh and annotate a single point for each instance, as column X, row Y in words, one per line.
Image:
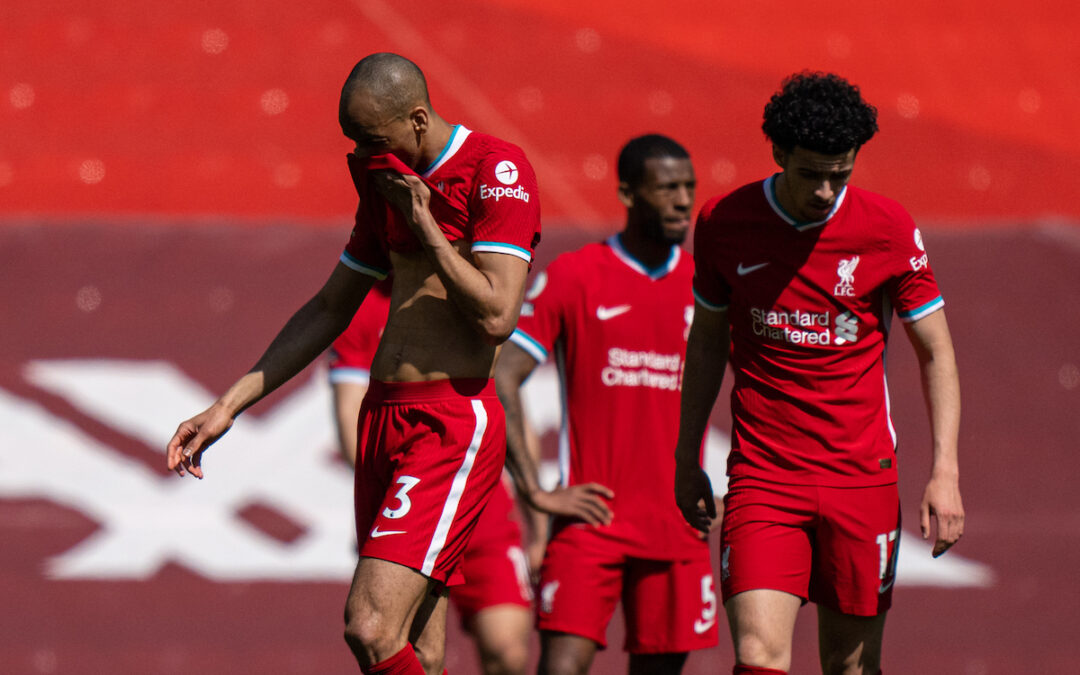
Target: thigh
column 428, row 631
column 766, row 538
column 502, row 634
column 856, row 549
column 849, row 643
column 580, row 584
column 670, row 606
column 390, row 600
column 425, row 473
column 565, row 654
column 762, row 624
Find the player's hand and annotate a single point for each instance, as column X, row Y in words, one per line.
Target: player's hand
column 193, row 437
column 941, row 500
column 585, row 502
column 409, row 194
column 694, row 496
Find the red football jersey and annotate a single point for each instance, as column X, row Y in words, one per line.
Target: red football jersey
column 488, row 197
column 354, row 350
column 810, row 306
column 618, row 332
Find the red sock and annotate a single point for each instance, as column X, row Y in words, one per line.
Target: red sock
column 402, row 663
column 756, row 670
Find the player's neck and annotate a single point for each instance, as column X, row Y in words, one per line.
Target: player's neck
column 435, row 140
column 648, row 251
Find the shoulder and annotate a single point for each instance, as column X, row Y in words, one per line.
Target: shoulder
column 580, row 263
column 491, row 148
column 872, row 204
column 724, row 206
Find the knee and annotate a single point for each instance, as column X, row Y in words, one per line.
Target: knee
column 368, row 636
column 562, row 663
column 431, row 661
column 754, row 650
column 510, row 657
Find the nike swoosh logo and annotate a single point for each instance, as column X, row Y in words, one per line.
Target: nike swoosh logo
column 743, row 270
column 376, row 532
column 886, row 586
column 702, row 626
column 605, row 313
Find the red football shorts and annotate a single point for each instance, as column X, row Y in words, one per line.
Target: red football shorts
column 669, row 606
column 833, row 546
column 495, row 568
column 429, row 455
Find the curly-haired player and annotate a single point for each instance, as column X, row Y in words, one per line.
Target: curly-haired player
column 797, row 277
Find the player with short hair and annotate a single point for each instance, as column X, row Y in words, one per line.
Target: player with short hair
column 797, row 279
column 495, row 602
column 615, row 315
column 455, row 214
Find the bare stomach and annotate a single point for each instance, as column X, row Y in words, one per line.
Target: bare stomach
column 427, row 337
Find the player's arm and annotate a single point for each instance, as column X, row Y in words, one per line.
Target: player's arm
column 306, row 335
column 488, row 290
column 584, row 501
column 941, row 389
column 348, row 397
column 707, row 349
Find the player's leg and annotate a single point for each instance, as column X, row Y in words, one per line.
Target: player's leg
column 766, row 557
column 849, row 645
column 495, row 602
column 385, row 600
column 852, row 585
column 502, row 638
column 418, row 496
column 580, row 585
column 762, row 624
column 428, row 633
column 565, row 654
column 657, row 664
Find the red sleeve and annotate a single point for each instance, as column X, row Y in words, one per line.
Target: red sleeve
column 710, row 288
column 366, row 251
column 912, row 290
column 504, row 206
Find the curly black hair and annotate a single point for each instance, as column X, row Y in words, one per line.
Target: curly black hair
column 820, row 112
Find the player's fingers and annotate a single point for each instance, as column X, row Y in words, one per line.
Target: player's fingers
column 176, row 445
column 924, row 520
column 940, row 546
column 598, row 511
column 195, row 466
column 599, row 489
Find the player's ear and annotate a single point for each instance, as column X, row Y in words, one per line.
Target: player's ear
column 420, row 120
column 779, row 155
column 626, row 195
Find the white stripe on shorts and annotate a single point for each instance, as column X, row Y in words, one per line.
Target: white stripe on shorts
column 457, row 488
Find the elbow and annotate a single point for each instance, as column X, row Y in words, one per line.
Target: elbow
column 496, row 330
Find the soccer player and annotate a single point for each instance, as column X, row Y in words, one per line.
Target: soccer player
column 455, row 215
column 615, row 315
column 799, row 275
column 496, row 599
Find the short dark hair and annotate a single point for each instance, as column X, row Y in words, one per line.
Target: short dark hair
column 393, row 81
column 631, row 167
column 820, row 112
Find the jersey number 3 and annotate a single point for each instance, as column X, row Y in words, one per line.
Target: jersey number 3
column 407, row 483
